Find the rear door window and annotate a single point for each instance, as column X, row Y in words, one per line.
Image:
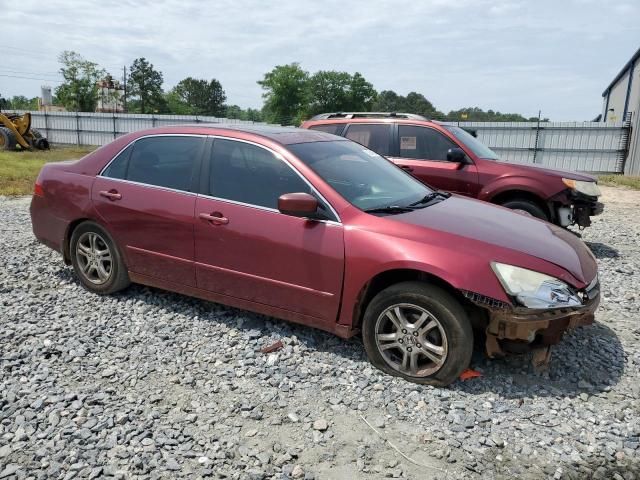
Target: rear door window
column 423, row 143
column 376, row 137
column 164, row 161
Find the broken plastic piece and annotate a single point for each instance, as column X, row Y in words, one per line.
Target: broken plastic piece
column 469, row 374
column 272, row 348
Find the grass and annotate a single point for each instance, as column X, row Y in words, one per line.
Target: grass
column 19, row 169
column 620, row 181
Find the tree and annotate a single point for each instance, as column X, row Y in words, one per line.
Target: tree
column 235, row 112
column 361, row 94
column 4, row 103
column 328, row 91
column 201, row 97
column 285, row 94
column 79, row 91
column 417, row 103
column 20, row 102
column 331, row 91
column 145, row 87
column 476, row 114
column 390, row 101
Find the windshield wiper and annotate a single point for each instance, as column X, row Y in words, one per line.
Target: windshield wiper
column 390, row 209
column 428, row 198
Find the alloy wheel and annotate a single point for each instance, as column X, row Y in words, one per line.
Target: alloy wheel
column 94, row 258
column 411, row 340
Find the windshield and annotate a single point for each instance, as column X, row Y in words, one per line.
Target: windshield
column 361, row 176
column 479, row 148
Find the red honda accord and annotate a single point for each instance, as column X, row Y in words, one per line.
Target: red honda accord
column 316, row 229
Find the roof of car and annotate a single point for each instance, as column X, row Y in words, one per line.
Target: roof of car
column 351, row 115
column 277, row 133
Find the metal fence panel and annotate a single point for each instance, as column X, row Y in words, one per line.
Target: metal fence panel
column 582, row 146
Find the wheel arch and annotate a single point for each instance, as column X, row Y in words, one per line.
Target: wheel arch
column 386, row 278
column 520, row 194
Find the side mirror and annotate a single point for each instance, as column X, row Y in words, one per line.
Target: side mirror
column 298, row 205
column 456, row 155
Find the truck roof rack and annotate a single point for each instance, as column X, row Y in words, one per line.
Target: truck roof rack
column 348, row 115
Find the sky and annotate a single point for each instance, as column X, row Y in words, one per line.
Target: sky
column 512, row 56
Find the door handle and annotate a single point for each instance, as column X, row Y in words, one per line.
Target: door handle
column 407, row 168
column 111, row 194
column 216, row 218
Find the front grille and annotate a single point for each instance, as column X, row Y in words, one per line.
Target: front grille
column 484, row 301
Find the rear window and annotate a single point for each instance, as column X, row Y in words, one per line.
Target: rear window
column 333, row 128
column 164, row 161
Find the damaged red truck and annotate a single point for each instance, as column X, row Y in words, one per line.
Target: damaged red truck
column 449, row 158
column 316, row 229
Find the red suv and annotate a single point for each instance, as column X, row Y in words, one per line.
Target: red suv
column 316, row 229
column 449, row 158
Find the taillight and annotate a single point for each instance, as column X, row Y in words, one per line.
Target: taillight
column 38, row 190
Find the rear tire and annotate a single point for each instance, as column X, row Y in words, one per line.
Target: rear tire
column 526, row 207
column 97, row 260
column 419, row 332
column 8, row 139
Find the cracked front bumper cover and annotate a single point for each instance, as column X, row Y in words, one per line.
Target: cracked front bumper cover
column 519, row 329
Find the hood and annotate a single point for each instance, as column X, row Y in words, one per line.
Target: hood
column 501, row 227
column 528, row 167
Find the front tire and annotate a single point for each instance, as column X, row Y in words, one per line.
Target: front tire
column 97, row 260
column 526, row 207
column 419, row 332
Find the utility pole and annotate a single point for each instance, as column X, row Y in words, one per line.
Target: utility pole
column 124, row 83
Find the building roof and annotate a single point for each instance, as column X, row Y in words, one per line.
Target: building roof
column 622, row 72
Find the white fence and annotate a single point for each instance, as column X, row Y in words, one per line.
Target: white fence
column 581, row 146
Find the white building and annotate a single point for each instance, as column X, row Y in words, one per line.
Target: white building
column 622, row 96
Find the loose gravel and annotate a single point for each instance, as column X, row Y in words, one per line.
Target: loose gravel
column 150, row 384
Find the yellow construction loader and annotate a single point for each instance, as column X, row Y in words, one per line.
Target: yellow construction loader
column 16, row 130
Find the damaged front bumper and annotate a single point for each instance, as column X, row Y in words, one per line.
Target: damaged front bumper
column 518, row 329
column 575, row 208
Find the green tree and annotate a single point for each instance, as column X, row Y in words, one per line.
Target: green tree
column 145, row 87
column 175, row 105
column 476, row 114
column 390, row 101
column 237, row 113
column 328, row 91
column 4, row 103
column 20, row 102
column 79, row 91
column 417, row 103
column 202, row 97
column 285, row 94
column 361, row 94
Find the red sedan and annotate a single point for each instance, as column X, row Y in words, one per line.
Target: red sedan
column 316, row 229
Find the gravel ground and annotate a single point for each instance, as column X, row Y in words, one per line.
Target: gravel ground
column 150, row 384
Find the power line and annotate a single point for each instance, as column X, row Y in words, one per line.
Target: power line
column 31, row 78
column 46, row 74
column 42, row 76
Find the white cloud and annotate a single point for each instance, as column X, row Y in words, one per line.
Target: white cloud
column 507, row 55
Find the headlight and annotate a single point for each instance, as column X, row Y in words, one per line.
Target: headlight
column 535, row 289
column 588, row 188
